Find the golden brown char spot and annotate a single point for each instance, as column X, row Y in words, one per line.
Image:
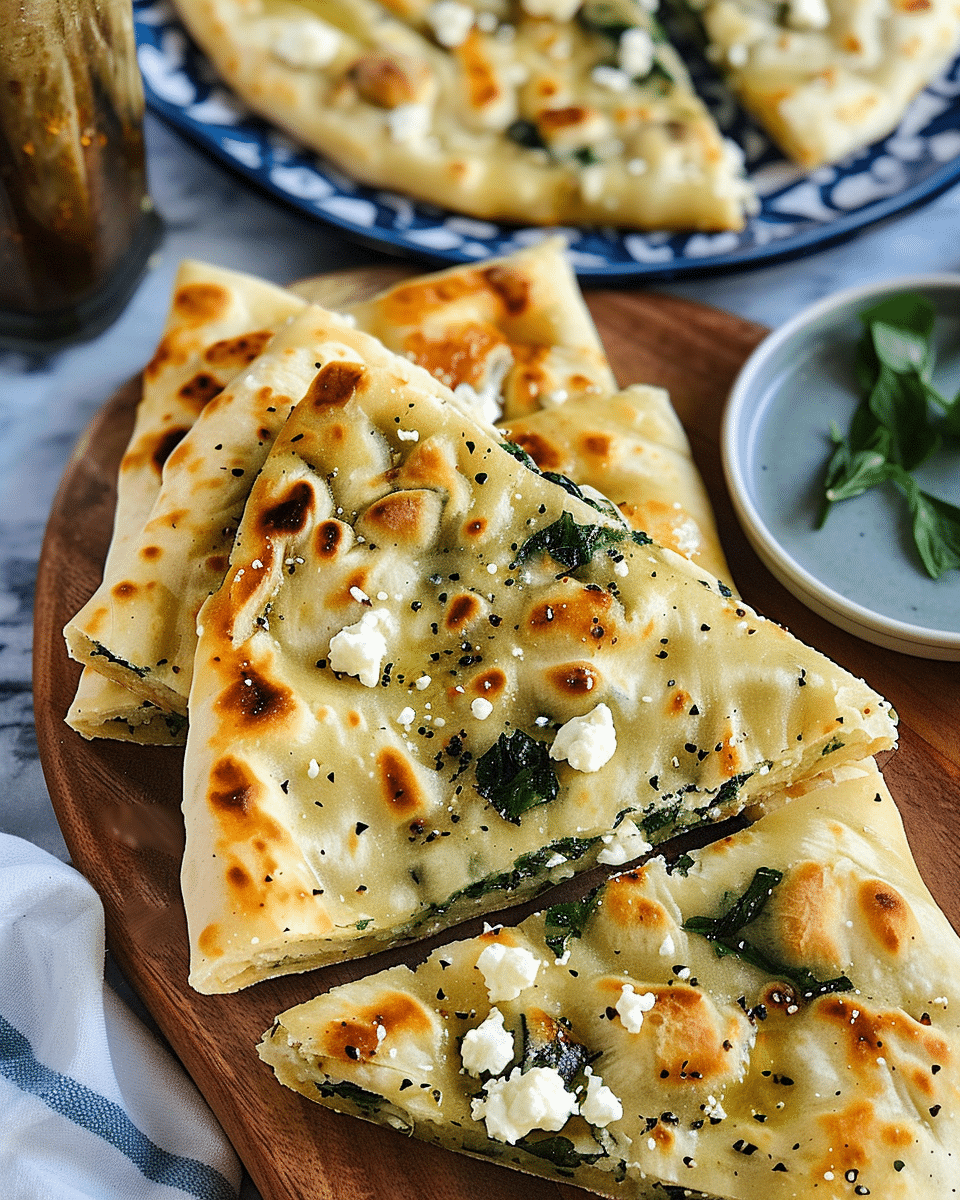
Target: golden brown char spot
column 355, row 581
column 209, row 941
column 512, row 288
column 239, row 351
column 155, row 450
column 490, row 683
column 150, row 553
column 596, row 445
column 334, row 384
column 547, row 456
column 625, row 901
column 290, row 514
column 580, row 613
column 552, row 120
column 573, row 679
column 398, row 783
column 482, row 84
column 328, row 538
column 255, row 699
column 125, row 590
column 692, row 1038
column 217, row 563
column 868, row 1034
column 678, row 703
column 402, row 516
column 457, row 357
column 389, row 80
column 199, row 302
column 410, row 304
column 354, row 719
column 200, row 390
column 233, row 790
column 462, row 610
column 357, row 1038
column 888, row 916
column 167, row 352
column 475, row 527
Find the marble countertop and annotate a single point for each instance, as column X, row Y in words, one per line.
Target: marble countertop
column 210, row 214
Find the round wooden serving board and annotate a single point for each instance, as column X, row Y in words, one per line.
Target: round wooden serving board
column 119, row 804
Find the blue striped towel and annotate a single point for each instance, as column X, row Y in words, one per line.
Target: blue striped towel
column 92, row 1105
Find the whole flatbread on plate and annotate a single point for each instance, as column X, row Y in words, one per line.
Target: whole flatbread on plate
column 505, row 110
column 630, row 1058
column 433, row 678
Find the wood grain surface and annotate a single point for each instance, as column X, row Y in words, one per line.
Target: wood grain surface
column 119, row 805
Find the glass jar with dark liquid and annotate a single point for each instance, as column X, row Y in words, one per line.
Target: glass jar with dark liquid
column 76, row 223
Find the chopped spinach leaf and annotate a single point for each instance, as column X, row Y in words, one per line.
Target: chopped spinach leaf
column 561, row 1152
column 526, row 134
column 571, row 544
column 564, row 921
column 724, row 932
column 367, row 1102
column 548, row 1042
column 521, row 456
column 516, row 774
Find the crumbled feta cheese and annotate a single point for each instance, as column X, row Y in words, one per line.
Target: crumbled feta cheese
column 636, row 166
column 667, row 946
column 600, row 1106
column 808, row 14
column 624, row 844
column 631, row 1007
column 514, row 1106
column 481, row 708
column 359, row 595
column 406, row 716
column 359, row 649
column 489, row 1047
column 587, row 742
column 450, row 22
column 610, row 77
column 635, row 53
column 507, row 970
column 714, row 1109
column 559, row 10
column 313, row 768
column 422, row 682
column 408, row 435
column 737, row 55
column 305, row 43
column 408, row 122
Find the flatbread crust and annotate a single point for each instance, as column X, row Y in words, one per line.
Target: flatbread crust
column 827, row 77
column 337, row 798
column 495, row 110
column 733, row 1085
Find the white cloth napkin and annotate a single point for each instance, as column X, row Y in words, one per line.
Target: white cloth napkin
column 91, row 1105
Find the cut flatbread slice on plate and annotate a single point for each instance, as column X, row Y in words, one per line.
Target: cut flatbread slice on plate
column 432, row 678
column 218, row 322
column 776, row 1019
column 828, row 77
column 515, row 334
column 632, row 449
column 540, row 113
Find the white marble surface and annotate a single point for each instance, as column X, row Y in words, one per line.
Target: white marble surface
column 211, row 214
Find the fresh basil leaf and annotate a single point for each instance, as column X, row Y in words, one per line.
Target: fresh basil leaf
column 936, row 528
column 899, row 402
column 516, row 774
column 863, row 471
column 906, row 310
column 564, row 921
column 900, row 349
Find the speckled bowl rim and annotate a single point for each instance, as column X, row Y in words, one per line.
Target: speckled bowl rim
column 744, row 397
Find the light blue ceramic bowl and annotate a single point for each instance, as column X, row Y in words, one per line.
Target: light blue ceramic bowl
column 861, row 570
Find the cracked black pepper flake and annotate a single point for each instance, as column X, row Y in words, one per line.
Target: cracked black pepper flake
column 406, row 1083
column 935, row 1111
column 361, row 826
column 743, row 1147
column 352, row 1053
column 481, row 477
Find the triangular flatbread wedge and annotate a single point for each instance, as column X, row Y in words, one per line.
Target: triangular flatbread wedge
column 609, row 1044
column 433, row 677
column 828, row 77
column 539, row 111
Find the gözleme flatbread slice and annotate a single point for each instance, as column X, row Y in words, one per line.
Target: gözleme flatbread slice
column 610, row 1044
column 827, row 77
column 538, row 111
column 432, row 677
column 218, row 322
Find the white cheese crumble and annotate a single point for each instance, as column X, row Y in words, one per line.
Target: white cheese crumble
column 360, row 649
column 408, row 122
column 559, row 10
column 421, row 683
column 507, row 970
column 313, row 769
column 587, row 742
column 406, row 716
column 408, row 435
column 514, row 1106
column 481, row 708
column 600, row 1106
column 631, row 1007
column 359, row 595
column 306, row 43
column 484, row 405
column 624, row 844
column 489, row 1047
column 450, row 22
column 611, row 78
column 635, row 53
column 808, row 14
column 714, row 1109
column 667, row 946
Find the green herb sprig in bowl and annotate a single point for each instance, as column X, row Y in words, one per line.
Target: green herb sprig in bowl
column 902, row 420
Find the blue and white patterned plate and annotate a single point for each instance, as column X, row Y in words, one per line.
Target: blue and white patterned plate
column 799, row 212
